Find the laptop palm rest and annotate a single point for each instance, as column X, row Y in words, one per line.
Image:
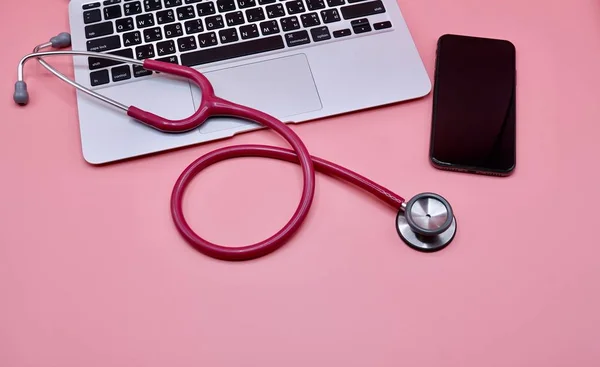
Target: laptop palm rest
column 281, row 87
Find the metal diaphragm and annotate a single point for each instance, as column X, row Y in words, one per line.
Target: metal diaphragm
column 427, row 223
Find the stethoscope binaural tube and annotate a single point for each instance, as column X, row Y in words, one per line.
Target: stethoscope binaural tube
column 425, row 223
column 21, row 94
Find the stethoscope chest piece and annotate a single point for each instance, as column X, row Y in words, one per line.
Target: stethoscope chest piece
column 426, row 223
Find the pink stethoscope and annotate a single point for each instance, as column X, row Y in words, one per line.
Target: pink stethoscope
column 426, row 222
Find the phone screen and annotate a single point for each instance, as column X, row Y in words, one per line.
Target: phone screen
column 473, row 125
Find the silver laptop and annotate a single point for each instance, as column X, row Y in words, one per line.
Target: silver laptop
column 297, row 60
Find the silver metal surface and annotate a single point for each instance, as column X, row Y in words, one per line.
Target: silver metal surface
column 41, row 47
column 421, row 242
column 38, row 55
column 429, row 213
column 403, row 206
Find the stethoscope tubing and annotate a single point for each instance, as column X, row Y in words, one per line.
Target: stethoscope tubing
column 299, row 154
column 284, row 234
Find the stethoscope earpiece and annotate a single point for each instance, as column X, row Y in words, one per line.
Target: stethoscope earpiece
column 426, row 223
column 21, row 95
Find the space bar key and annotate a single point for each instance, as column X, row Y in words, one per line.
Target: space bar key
column 232, row 51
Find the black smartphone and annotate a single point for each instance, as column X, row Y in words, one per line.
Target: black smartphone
column 474, row 102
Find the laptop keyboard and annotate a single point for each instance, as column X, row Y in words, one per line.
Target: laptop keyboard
column 197, row 32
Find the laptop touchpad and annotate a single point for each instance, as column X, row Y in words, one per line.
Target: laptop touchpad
column 281, row 87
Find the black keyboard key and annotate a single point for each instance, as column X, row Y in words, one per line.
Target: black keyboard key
column 234, row 18
column 187, row 43
column 362, row 29
column 310, row 20
column 172, row 59
column 186, row 12
column 132, row 8
column 225, row 5
column 265, row 2
column 144, row 52
column 152, row 5
column 207, row 39
column 332, row 3
column 255, row 14
column 90, row 6
column 249, row 31
column 153, row 34
column 205, row 9
column 99, row 77
column 359, row 22
column 360, row 25
column 290, row 23
column 330, row 16
column 214, row 22
column 269, row 27
column 243, row 4
column 173, row 30
column 192, row 1
column 144, row 21
column 320, row 34
column 95, row 63
column 382, row 25
column 233, row 50
column 110, row 2
column 354, row 1
column 165, row 16
column 228, row 35
column 125, row 24
column 295, row 7
column 362, row 9
column 99, row 30
column 121, row 73
column 112, row 12
column 92, row 16
column 342, row 33
column 172, row 3
column 297, row 38
column 139, row 71
column 104, row 44
column 165, row 48
column 132, row 38
column 275, row 10
column 193, row 26
column 315, row 4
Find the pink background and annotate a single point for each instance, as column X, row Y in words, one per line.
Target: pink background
column 93, row 273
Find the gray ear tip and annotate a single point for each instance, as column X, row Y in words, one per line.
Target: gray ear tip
column 21, row 96
column 61, row 40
